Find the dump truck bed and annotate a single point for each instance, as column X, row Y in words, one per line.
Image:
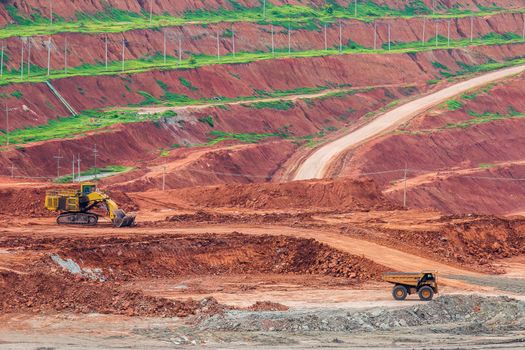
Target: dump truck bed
column 405, row 278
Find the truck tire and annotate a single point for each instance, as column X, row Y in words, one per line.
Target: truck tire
column 425, row 293
column 399, row 292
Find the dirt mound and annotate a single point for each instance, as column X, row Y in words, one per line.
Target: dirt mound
column 267, row 306
column 24, row 202
column 44, row 292
column 166, row 256
column 334, row 194
column 218, row 218
column 471, row 241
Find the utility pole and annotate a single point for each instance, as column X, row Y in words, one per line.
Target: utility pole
column 289, row 38
column 355, row 8
column 12, row 170
column 218, row 48
column 51, row 11
column 123, row 53
column 472, row 29
column 78, row 167
column 22, row 60
column 340, row 37
column 28, row 57
column 6, row 125
column 325, row 38
column 65, row 54
column 164, row 178
column 264, row 9
column 273, row 42
column 437, row 33
column 2, row 62
column 95, row 154
column 73, row 168
column 106, row 51
column 424, row 30
column 405, row 188
column 7, row 110
column 58, row 157
column 233, row 41
column 523, row 35
column 375, row 36
column 389, row 36
column 164, row 47
column 49, row 57
column 180, row 50
column 150, row 11
column 448, row 33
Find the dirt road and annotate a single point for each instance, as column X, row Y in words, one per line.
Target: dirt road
column 291, row 97
column 317, row 164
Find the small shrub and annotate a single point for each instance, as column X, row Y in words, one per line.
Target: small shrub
column 208, row 120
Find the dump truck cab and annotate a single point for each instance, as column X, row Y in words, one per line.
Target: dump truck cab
column 424, row 283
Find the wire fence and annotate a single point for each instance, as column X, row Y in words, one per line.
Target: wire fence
column 404, row 174
column 23, row 59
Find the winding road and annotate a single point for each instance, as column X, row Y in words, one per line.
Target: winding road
column 316, row 166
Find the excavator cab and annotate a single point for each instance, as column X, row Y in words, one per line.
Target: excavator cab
column 87, row 188
column 74, row 206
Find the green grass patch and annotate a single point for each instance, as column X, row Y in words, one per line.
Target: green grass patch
column 486, row 166
column 17, row 94
column 482, row 119
column 220, row 136
column 277, row 105
column 454, row 105
column 208, row 120
column 187, row 84
column 103, row 172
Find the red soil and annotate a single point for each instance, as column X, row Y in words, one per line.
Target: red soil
column 455, row 149
column 339, row 194
column 243, row 79
column 43, row 287
column 249, row 37
column 483, row 192
column 58, row 292
column 69, row 10
column 165, row 256
column 134, row 143
column 467, row 241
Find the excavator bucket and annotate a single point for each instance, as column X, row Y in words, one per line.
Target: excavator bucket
column 124, row 220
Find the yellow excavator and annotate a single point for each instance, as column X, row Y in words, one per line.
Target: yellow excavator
column 74, row 206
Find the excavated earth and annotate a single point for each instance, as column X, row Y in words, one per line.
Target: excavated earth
column 247, row 262
column 255, row 264
column 455, row 168
column 95, row 285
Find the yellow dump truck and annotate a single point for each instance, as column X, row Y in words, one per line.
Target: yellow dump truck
column 405, row 283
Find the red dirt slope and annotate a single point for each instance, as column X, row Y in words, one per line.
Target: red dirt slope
column 339, row 194
column 68, row 9
column 457, row 169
